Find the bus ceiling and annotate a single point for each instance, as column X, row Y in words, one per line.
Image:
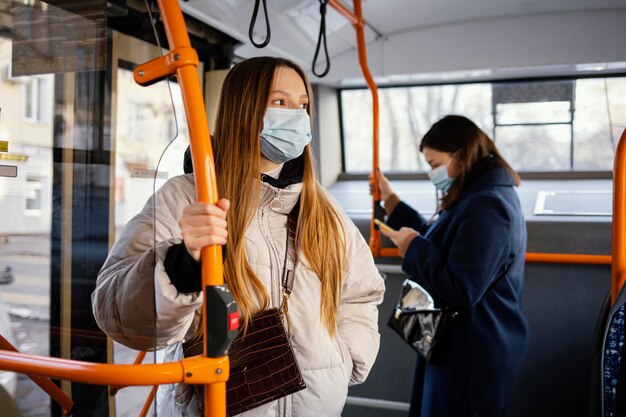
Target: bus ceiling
column 418, row 41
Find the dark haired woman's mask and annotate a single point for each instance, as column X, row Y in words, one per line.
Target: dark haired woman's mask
column 439, row 176
column 285, row 134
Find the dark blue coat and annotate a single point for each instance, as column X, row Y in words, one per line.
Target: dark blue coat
column 471, row 258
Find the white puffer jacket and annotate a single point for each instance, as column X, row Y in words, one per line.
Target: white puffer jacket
column 129, row 285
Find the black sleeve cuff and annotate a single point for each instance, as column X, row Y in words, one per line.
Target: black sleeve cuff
column 183, row 270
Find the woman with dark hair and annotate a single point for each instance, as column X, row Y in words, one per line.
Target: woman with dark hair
column 471, row 259
column 148, row 293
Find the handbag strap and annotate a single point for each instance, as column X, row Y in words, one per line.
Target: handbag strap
column 291, row 256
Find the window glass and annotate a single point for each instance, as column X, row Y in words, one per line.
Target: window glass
column 406, row 113
column 146, row 127
column 535, row 148
column 563, row 125
column 542, row 113
column 26, row 207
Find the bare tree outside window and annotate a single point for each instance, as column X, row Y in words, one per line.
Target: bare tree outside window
column 578, row 134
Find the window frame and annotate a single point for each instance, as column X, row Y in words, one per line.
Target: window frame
column 416, row 175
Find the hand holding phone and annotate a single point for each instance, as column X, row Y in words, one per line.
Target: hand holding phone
column 384, row 226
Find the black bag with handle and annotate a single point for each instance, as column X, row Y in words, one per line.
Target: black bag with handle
column 418, row 322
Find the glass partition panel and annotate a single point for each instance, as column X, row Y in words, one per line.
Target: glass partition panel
column 26, row 127
column 151, row 137
column 82, row 149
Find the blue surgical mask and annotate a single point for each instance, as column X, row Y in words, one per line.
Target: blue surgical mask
column 285, row 134
column 439, row 176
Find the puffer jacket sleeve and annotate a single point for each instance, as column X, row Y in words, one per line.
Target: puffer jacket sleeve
column 363, row 291
column 134, row 301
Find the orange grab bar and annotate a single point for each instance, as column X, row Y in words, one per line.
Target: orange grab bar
column 140, row 356
column 46, row 384
column 358, row 22
column 568, row 258
column 550, row 258
column 183, row 61
column 619, row 233
column 192, row 370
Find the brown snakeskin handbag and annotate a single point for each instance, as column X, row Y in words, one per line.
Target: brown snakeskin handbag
column 263, row 367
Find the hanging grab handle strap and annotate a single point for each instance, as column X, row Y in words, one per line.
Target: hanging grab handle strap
column 322, row 35
column 268, row 33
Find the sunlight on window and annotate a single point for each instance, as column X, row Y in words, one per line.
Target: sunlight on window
column 564, row 125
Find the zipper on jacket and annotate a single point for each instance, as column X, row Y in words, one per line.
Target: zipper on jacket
column 274, row 290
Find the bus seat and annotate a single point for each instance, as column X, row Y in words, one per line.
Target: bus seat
column 596, row 356
column 612, row 363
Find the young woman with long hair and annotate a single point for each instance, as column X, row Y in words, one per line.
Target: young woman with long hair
column 264, row 167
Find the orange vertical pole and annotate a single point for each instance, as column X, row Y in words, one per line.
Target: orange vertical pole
column 204, row 171
column 618, row 259
column 357, row 21
column 360, row 36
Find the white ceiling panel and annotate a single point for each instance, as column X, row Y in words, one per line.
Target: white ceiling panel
column 399, row 32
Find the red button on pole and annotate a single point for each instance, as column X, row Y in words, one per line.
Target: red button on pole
column 233, row 321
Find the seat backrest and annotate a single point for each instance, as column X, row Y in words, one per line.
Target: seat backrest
column 595, row 390
column 613, row 364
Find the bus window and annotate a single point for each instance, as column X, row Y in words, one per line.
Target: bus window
column 561, row 126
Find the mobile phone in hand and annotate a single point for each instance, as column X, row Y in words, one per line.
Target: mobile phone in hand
column 384, row 226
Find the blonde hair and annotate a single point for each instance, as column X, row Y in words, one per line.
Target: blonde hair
column 320, row 233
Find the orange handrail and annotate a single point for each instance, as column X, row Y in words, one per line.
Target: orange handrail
column 142, row 354
column 358, row 22
column 45, row 384
column 568, row 258
column 537, row 257
column 183, row 61
column 618, row 264
column 189, row 370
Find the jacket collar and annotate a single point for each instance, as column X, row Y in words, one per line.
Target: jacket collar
column 292, row 173
column 486, row 174
column 282, row 193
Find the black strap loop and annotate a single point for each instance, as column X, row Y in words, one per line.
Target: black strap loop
column 321, row 35
column 268, row 33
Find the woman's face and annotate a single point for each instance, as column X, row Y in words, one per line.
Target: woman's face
column 288, row 92
column 437, row 158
